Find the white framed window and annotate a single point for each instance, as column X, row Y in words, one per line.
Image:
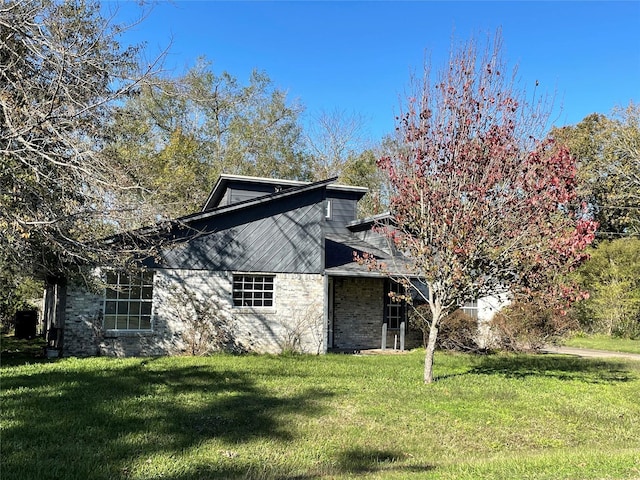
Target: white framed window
column 471, row 309
column 253, row 291
column 128, row 300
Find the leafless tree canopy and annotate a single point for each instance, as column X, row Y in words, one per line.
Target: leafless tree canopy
column 333, row 138
column 62, row 69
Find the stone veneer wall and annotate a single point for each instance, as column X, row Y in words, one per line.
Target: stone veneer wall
column 82, row 322
column 357, row 313
column 295, row 323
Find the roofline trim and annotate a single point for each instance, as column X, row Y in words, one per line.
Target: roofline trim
column 367, row 220
column 341, row 272
column 248, row 178
column 225, row 177
column 350, row 188
column 338, row 272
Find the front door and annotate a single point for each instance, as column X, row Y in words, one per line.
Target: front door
column 394, row 316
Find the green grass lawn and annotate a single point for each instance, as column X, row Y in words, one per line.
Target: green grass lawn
column 327, row 417
column 605, row 342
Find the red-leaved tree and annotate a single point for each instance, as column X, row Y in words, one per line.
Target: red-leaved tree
column 480, row 206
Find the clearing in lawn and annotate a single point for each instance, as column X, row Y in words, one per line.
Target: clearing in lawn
column 326, row 417
column 605, row 342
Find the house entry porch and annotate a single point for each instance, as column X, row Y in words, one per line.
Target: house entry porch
column 362, row 315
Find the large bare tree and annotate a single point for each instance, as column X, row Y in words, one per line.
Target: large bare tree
column 62, row 70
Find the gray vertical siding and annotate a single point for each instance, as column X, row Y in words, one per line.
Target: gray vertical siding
column 240, row 193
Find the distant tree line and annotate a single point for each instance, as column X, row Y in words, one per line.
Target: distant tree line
column 607, row 151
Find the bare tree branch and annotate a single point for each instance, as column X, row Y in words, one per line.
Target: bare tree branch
column 63, row 70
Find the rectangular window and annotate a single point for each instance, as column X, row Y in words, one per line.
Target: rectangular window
column 127, row 301
column 395, row 311
column 327, row 209
column 471, row 309
column 253, row 290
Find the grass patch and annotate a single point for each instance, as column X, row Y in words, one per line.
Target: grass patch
column 605, row 342
column 328, row 417
column 15, row 351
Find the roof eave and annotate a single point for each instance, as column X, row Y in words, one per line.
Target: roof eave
column 369, row 221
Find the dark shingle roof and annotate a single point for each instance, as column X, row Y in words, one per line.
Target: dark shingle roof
column 339, row 257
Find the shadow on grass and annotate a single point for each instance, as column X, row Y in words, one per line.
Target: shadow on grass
column 79, row 422
column 560, row 367
column 359, row 461
column 351, row 462
column 14, row 351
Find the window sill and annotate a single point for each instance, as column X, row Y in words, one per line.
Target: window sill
column 267, row 310
column 127, row 333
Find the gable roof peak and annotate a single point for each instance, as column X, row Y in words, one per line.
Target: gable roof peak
column 278, row 184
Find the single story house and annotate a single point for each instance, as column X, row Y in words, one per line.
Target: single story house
column 266, row 266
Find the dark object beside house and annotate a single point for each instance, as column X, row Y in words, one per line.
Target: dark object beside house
column 26, row 324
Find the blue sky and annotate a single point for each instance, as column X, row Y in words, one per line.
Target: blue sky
column 357, row 57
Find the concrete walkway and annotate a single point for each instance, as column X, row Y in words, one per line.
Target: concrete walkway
column 587, row 352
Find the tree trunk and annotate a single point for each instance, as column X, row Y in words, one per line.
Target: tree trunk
column 431, row 348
